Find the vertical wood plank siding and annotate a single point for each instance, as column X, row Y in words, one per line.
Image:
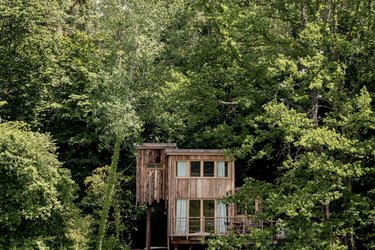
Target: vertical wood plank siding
column 210, row 188
column 152, row 183
column 161, row 183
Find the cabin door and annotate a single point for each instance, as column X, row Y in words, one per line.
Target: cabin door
column 198, row 216
column 209, row 216
column 201, row 216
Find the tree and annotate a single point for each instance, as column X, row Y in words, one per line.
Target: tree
column 320, row 161
column 49, row 64
column 121, row 221
column 37, row 194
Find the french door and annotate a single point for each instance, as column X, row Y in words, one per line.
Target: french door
column 198, row 216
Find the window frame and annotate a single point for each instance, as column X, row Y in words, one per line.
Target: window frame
column 202, row 223
column 200, row 168
column 155, row 166
column 187, row 169
column 227, row 167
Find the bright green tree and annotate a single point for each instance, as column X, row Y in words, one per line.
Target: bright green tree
column 37, row 194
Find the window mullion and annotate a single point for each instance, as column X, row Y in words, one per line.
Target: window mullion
column 201, row 169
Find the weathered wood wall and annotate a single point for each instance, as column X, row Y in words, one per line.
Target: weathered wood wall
column 152, row 183
column 197, row 187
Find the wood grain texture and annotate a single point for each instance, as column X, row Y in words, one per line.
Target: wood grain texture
column 152, row 183
column 210, row 188
column 156, row 184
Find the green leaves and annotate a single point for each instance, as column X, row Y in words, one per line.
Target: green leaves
column 323, row 138
column 37, row 193
column 290, row 81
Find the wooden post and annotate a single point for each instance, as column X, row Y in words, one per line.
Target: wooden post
column 148, row 227
column 257, row 205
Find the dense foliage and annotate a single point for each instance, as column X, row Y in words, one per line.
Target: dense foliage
column 37, row 208
column 286, row 86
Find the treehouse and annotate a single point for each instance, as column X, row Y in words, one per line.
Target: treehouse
column 191, row 182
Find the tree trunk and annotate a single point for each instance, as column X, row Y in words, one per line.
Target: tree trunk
column 314, row 107
column 109, row 190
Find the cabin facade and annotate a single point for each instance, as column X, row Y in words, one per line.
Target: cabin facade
column 198, row 179
column 191, row 182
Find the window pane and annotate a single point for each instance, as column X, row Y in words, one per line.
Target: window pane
column 222, row 169
column 181, row 169
column 221, row 212
column 195, row 168
column 194, row 216
column 209, row 214
column 157, row 156
column 208, row 169
column 181, row 216
column 155, row 165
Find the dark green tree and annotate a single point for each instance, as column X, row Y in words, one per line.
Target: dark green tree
column 316, row 60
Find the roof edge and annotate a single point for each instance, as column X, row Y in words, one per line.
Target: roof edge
column 194, row 152
column 156, row 146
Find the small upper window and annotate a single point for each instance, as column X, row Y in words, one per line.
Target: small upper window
column 155, row 165
column 181, row 169
column 155, row 156
column 195, row 168
column 222, row 169
column 208, row 169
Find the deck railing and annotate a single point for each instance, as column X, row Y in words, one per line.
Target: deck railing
column 216, row 225
column 200, row 225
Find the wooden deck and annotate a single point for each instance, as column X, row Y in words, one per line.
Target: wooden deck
column 198, row 227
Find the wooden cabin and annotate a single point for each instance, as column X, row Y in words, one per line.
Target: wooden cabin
column 191, row 182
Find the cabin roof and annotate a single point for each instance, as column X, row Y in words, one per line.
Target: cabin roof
column 156, row 146
column 176, row 151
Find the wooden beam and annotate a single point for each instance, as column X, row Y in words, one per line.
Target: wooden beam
column 148, row 227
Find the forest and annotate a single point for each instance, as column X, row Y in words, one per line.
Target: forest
column 286, row 87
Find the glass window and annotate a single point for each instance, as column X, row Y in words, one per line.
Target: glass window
column 208, row 169
column 155, row 165
column 209, row 215
column 202, row 216
column 157, row 156
column 181, row 169
column 195, row 168
column 222, row 169
column 194, row 216
column 221, row 211
column 181, row 216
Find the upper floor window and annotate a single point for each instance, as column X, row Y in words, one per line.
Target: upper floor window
column 195, row 168
column 201, row 169
column 222, row 169
column 181, row 169
column 208, row 169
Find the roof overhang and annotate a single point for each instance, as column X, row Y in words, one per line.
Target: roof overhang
column 194, row 152
column 156, row 146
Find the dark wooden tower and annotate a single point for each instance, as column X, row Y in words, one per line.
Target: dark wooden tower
column 152, row 172
column 152, row 178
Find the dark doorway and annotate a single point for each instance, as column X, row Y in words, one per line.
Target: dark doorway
column 158, row 228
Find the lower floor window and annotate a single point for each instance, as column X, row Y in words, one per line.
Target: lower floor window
column 197, row 216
